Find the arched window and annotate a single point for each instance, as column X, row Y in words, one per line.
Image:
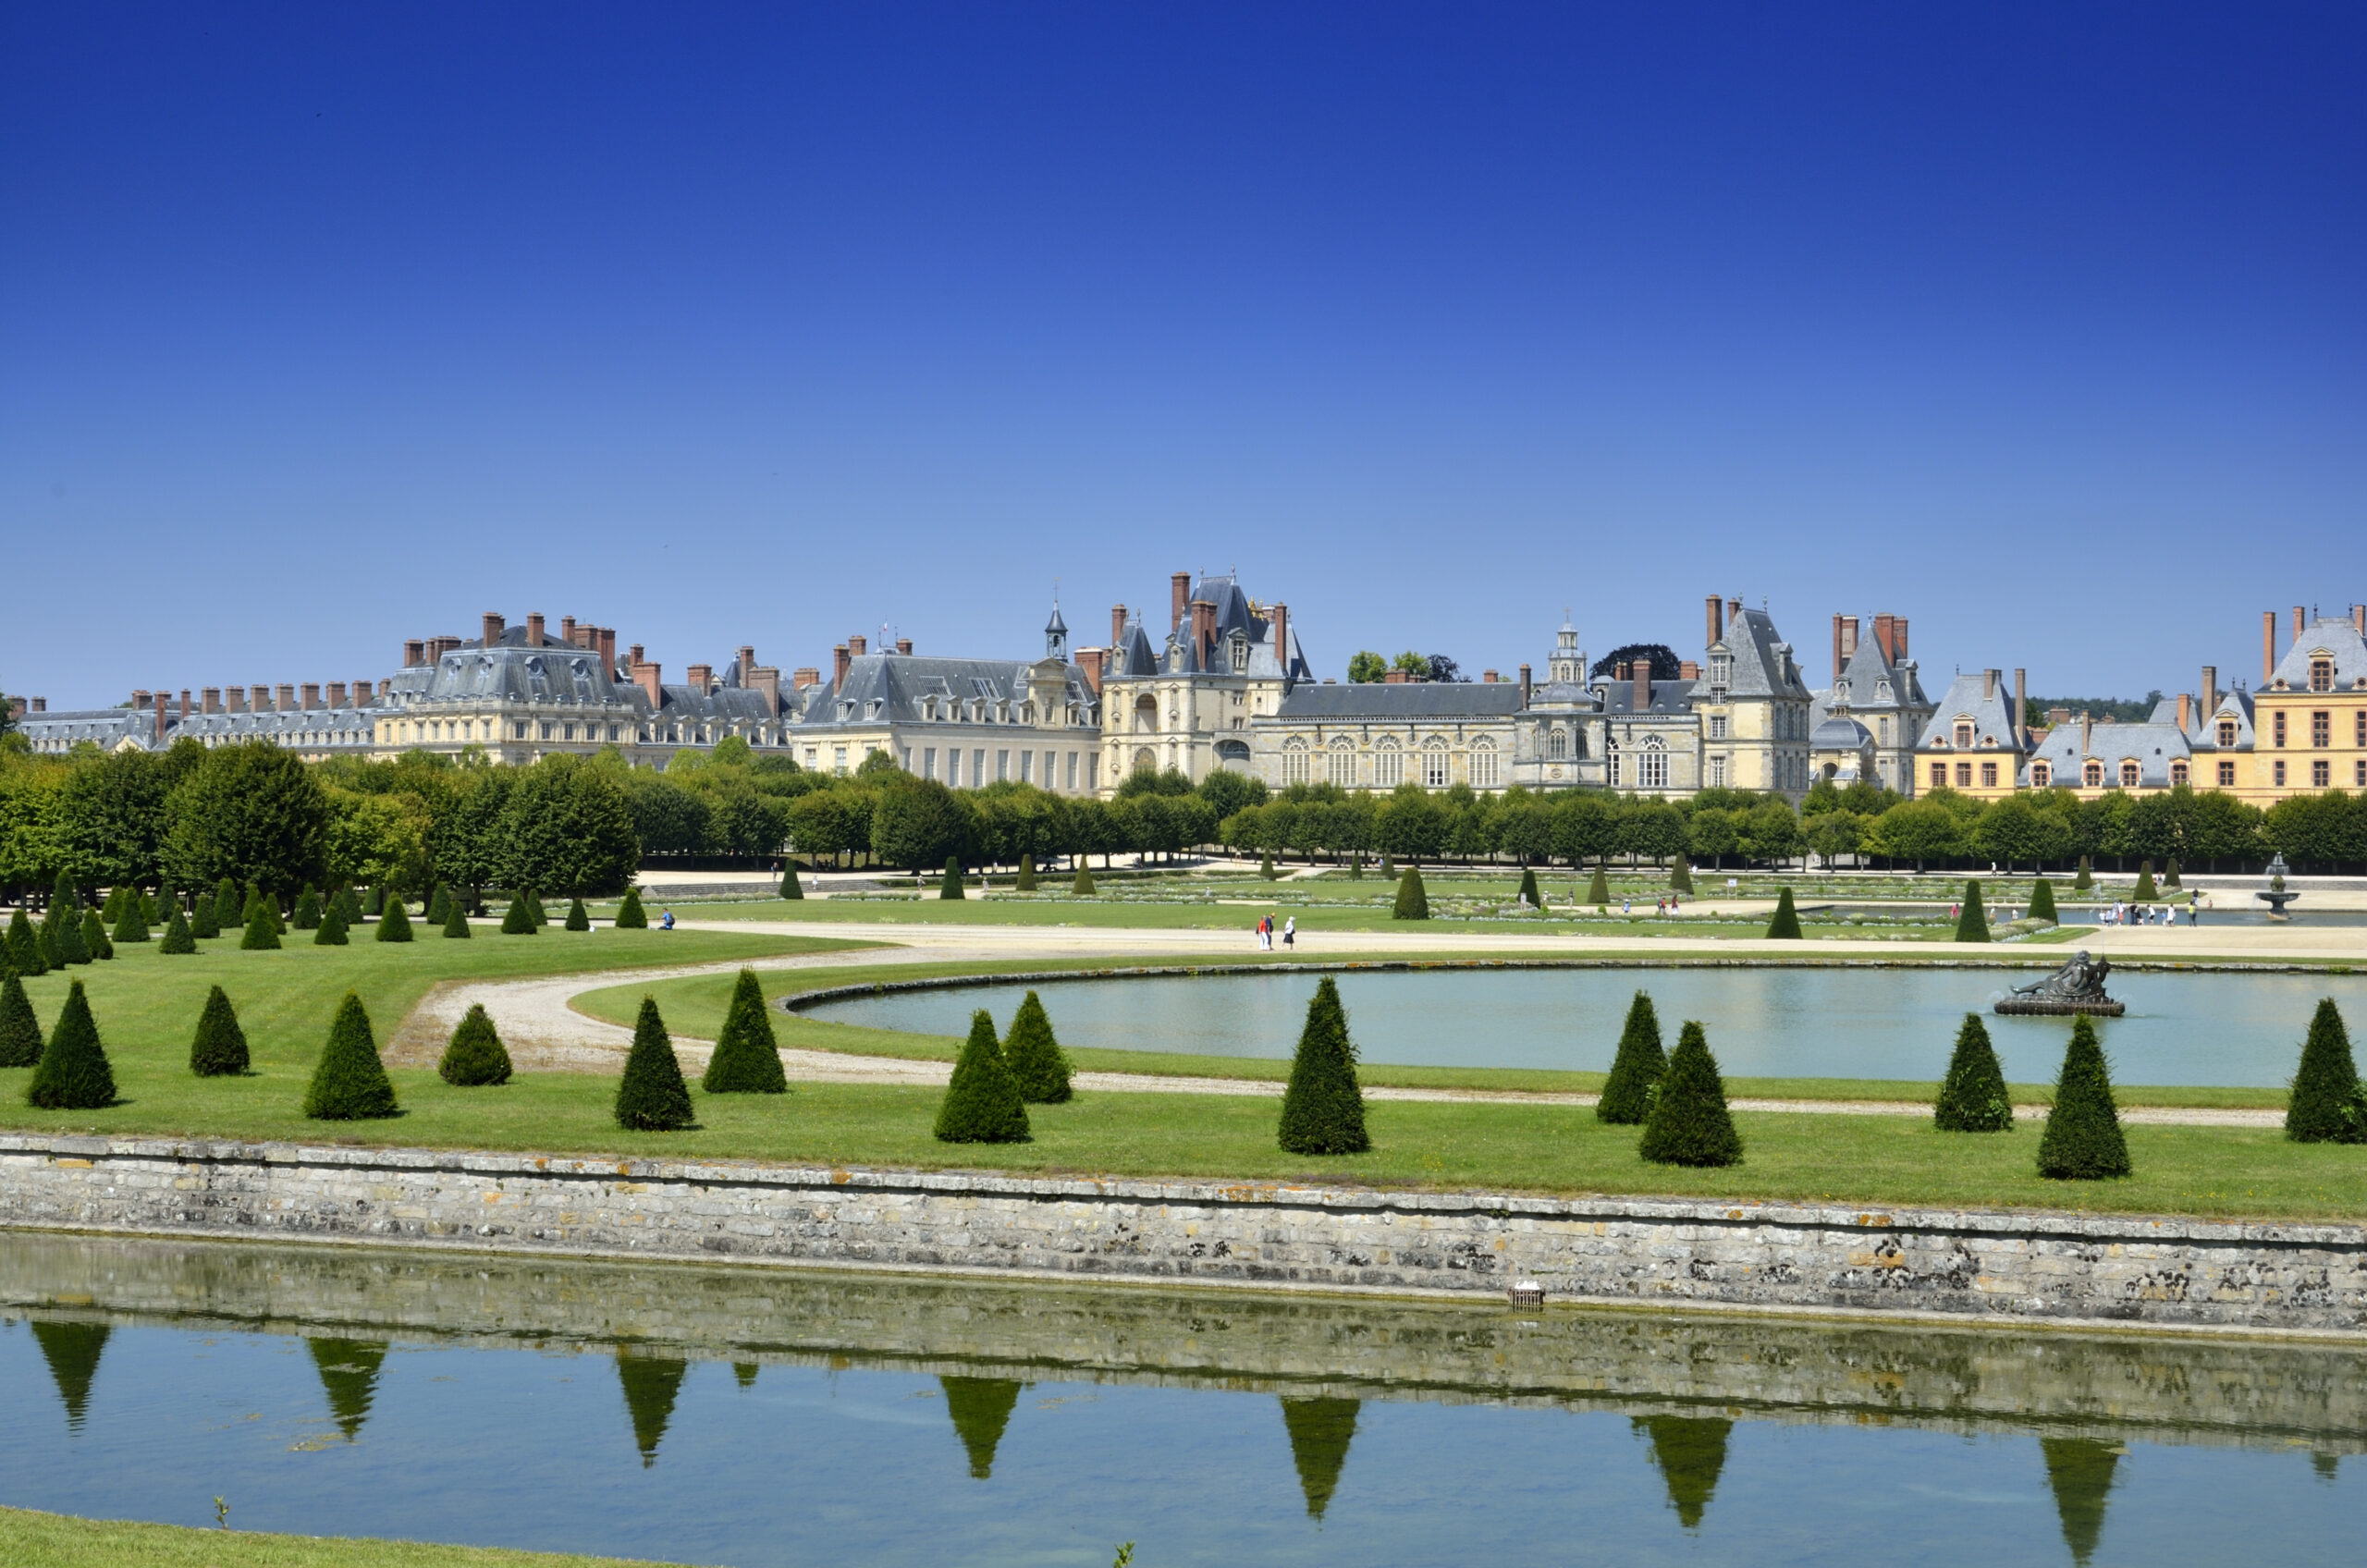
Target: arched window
column 1293, row 761
column 1434, row 763
column 1144, row 759
column 1557, row 744
column 2129, row 773
column 1146, row 715
column 1484, row 773
column 1651, row 766
column 1342, row 763
column 1388, row 764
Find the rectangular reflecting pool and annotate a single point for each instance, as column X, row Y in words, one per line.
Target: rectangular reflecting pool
column 747, row 1416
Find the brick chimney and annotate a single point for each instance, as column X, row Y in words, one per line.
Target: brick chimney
column 648, row 677
column 632, row 655
column 386, row 688
column 1204, row 630
column 185, row 708
column 567, row 629
column 805, row 675
column 1117, row 625
column 1734, row 611
column 139, row 696
column 235, row 700
column 1396, row 677
column 1715, row 619
column 312, row 695
column 494, row 628
column 747, row 664
column 286, row 700
column 2359, row 619
column 1089, row 661
column 2209, row 690
column 2267, row 646
column 905, row 647
column 858, row 646
column 1487, row 677
column 1687, row 669
column 362, row 693
column 209, row 699
column 2300, row 622
column 438, row 646
column 1179, row 594
column 414, row 653
column 1643, row 671
column 1898, row 635
column 1526, row 685
column 841, row 657
column 1281, row 615
column 17, row 707
column 765, row 678
column 2022, row 708
column 40, row 705
column 534, row 629
column 336, row 693
column 2185, row 713
column 259, row 699
column 1839, row 659
column 1883, row 625
column 702, row 679
column 1989, row 683
column 163, row 716
column 608, row 640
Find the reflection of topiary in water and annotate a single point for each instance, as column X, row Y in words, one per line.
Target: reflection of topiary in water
column 1972, row 1096
column 1690, row 1453
column 651, row 1383
column 2083, row 1141
column 1320, row 1430
column 2080, row 1472
column 1689, row 1124
column 348, row 1374
column 1626, row 1097
column 981, row 1408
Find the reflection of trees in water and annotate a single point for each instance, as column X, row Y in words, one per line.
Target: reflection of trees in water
column 2325, row 1466
column 745, row 1371
column 72, row 1351
column 1321, row 1431
column 349, row 1373
column 1689, row 1453
column 651, row 1384
column 981, row 1408
column 2080, row 1471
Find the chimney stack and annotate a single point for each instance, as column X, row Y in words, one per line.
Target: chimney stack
column 2267, row 646
column 765, row 678
column 336, row 693
column 414, row 653
column 2186, row 714
column 567, row 629
column 702, row 677
column 184, row 702
column 747, row 664
column 362, row 693
column 858, row 646
column 1643, row 672
column 2210, row 691
column 209, row 699
column 40, row 705
column 385, row 689
column 2300, row 623
column 1898, row 635
column 312, row 695
column 647, row 677
column 1715, row 610
column 1837, row 655
column 1988, row 684
column 805, row 675
column 493, row 627
column 259, row 699
column 235, row 700
column 1204, row 630
column 1117, row 627
column 286, row 700
column 1089, row 661
column 840, row 658
column 1394, row 677
column 2022, row 707
column 161, row 717
column 1487, row 677
column 2359, row 619
column 1526, row 685
column 534, row 629
column 1688, row 669
column 1734, row 611
column 139, row 696
column 1179, row 594
column 1281, row 615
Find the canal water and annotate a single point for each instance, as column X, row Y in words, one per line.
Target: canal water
column 2214, row 1029
column 755, row 1417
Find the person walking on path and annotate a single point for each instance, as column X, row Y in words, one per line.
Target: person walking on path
column 1289, row 932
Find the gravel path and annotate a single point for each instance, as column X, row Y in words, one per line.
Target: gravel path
column 544, row 1032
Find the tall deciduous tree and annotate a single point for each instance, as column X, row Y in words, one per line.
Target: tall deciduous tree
column 250, row 811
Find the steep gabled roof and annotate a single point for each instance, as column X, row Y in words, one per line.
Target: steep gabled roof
column 1381, row 702
column 2329, row 637
column 1759, row 670
column 2154, row 747
column 1992, row 713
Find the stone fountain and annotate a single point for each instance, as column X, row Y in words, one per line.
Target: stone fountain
column 2277, row 897
column 2078, row 986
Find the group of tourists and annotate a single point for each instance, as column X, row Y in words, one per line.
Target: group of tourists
column 2148, row 914
column 1266, row 933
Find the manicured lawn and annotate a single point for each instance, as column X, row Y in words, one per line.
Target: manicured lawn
column 29, row 1539
column 693, row 1007
column 147, row 1004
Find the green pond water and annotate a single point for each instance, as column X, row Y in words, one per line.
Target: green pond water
column 752, row 1418
column 1778, row 1023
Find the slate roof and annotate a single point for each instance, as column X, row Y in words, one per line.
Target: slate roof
column 1871, row 683
column 61, row 729
column 1839, row 734
column 1759, row 670
column 2237, row 705
column 2154, row 747
column 1138, row 656
column 1993, row 716
column 2328, row 636
column 1668, row 696
column 1406, row 700
column 298, row 729
column 898, row 689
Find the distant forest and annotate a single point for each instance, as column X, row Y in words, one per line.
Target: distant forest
column 2125, row 711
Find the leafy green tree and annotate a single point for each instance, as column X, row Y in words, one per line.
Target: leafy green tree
column 20, row 1041
column 1922, row 831
column 982, row 1103
column 1689, row 1124
column 1785, row 924
column 566, row 824
column 248, row 810
column 110, row 824
column 1413, row 900
column 1973, row 920
column 177, row 940
column 1637, row 1068
column 73, row 1073
column 262, row 933
column 1323, row 1107
column 349, row 1082
column 1037, row 1064
column 651, row 1097
column 631, row 916
column 949, row 887
column 1711, row 833
column 474, row 1057
column 219, row 1047
column 2083, row 1139
column 394, row 924
column 1972, row 1096
column 918, row 823
column 2042, row 901
column 1366, row 668
column 747, row 1058
column 2326, row 1104
column 1227, row 792
column 333, row 931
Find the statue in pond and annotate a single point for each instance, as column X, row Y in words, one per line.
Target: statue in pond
column 2078, row 986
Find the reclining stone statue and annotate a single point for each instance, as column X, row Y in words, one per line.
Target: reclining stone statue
column 2078, row 986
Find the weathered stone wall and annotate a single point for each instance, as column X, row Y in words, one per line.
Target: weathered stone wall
column 2182, row 1389
column 1995, row 1266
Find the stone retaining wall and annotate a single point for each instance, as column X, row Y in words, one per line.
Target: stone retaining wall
column 2032, row 1266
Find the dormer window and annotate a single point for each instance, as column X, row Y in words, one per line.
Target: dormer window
column 2321, row 674
column 1722, row 669
column 1840, row 689
column 2093, row 774
column 2129, row 775
column 1882, row 690
column 2226, row 731
column 1964, row 735
column 1239, row 643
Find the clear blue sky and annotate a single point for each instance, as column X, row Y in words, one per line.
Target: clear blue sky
column 326, row 325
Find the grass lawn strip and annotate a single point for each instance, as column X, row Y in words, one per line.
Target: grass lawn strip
column 31, row 1539
column 694, row 1007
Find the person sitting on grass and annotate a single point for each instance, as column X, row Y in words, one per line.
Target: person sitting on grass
column 666, row 921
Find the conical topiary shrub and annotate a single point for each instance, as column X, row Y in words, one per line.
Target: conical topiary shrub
column 1266, row 865
column 228, row 911
column 534, row 911
column 63, row 928
column 474, row 1057
column 262, row 932
column 376, row 902
column 219, row 1047
column 178, row 938
column 2042, row 901
column 154, row 907
column 2326, row 1106
column 1785, row 924
column 20, row 1042
column 949, row 885
column 2083, row 1141
column 112, row 910
column 982, row 1103
column 350, row 902
column 1388, row 869
column 631, row 916
column 1640, row 1064
column 1025, row 881
column 2086, row 879
column 204, row 923
column 1972, row 1096
column 1356, row 866
column 131, row 924
column 651, row 1097
column 1413, row 900
column 308, row 910
column 578, row 917
column 1599, row 888
column 46, row 940
column 1037, row 1064
column 2170, row 875
column 24, row 947
column 747, row 1058
column 332, row 932
column 1528, row 893
column 2146, row 892
column 456, row 919
column 1083, row 886
column 792, row 886
column 73, row 1073
column 439, row 906
column 1972, row 921
column 349, row 1084
column 1689, row 1124
column 94, row 937
column 1680, row 876
column 1323, row 1108
column 394, row 925
column 519, row 919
